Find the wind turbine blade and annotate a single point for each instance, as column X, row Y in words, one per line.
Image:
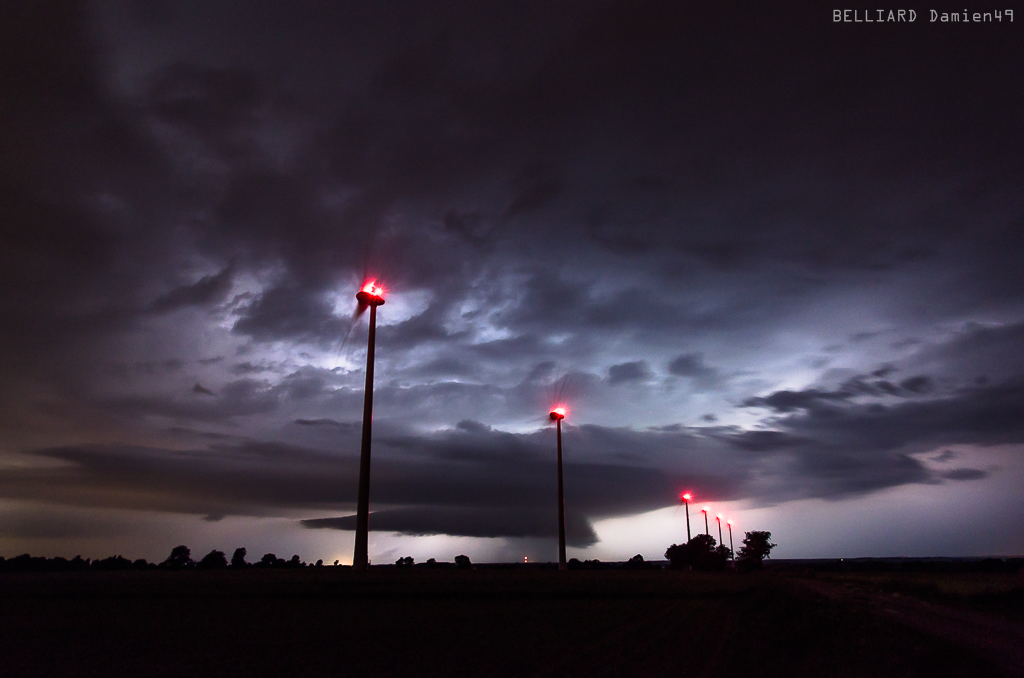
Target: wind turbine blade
column 565, row 382
column 356, row 315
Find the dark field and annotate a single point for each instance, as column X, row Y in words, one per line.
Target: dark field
column 658, row 623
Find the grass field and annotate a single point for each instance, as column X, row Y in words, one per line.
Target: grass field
column 336, row 622
column 997, row 594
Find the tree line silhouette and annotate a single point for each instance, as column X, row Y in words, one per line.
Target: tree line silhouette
column 181, row 559
column 700, row 553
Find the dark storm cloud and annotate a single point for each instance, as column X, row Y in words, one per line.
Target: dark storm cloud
column 964, row 474
column 692, row 365
column 239, row 398
column 52, row 525
column 208, row 290
column 977, row 351
column 215, row 102
column 816, row 398
column 559, row 181
column 474, row 480
column 788, row 401
column 225, row 479
column 202, row 390
column 762, row 441
column 290, row 313
column 626, row 372
column 471, row 480
column 425, row 327
column 324, row 422
column 482, row 522
column 981, row 414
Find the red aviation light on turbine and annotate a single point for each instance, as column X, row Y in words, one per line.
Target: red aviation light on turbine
column 706, row 509
column 729, row 522
column 687, row 497
column 558, row 413
column 371, row 294
column 719, row 516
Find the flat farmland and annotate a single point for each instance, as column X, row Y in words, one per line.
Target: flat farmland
column 492, row 622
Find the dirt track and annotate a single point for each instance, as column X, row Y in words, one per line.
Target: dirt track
column 1001, row 640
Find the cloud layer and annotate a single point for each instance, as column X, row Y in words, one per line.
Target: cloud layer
column 758, row 253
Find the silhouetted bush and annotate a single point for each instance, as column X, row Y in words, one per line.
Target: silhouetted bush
column 238, row 558
column 462, row 562
column 270, row 560
column 26, row 563
column 636, row 563
column 180, row 557
column 405, row 562
column 431, row 563
column 112, row 563
column 295, row 562
column 214, row 560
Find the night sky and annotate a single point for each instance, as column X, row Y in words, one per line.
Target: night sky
column 762, row 256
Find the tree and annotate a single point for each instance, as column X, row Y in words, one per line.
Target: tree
column 462, row 562
column 238, row 558
column 700, row 553
column 180, row 557
column 677, row 557
column 405, row 562
column 213, row 560
column 756, row 547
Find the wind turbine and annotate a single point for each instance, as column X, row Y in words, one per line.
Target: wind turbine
column 370, row 296
column 557, row 415
column 686, row 503
column 732, row 553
